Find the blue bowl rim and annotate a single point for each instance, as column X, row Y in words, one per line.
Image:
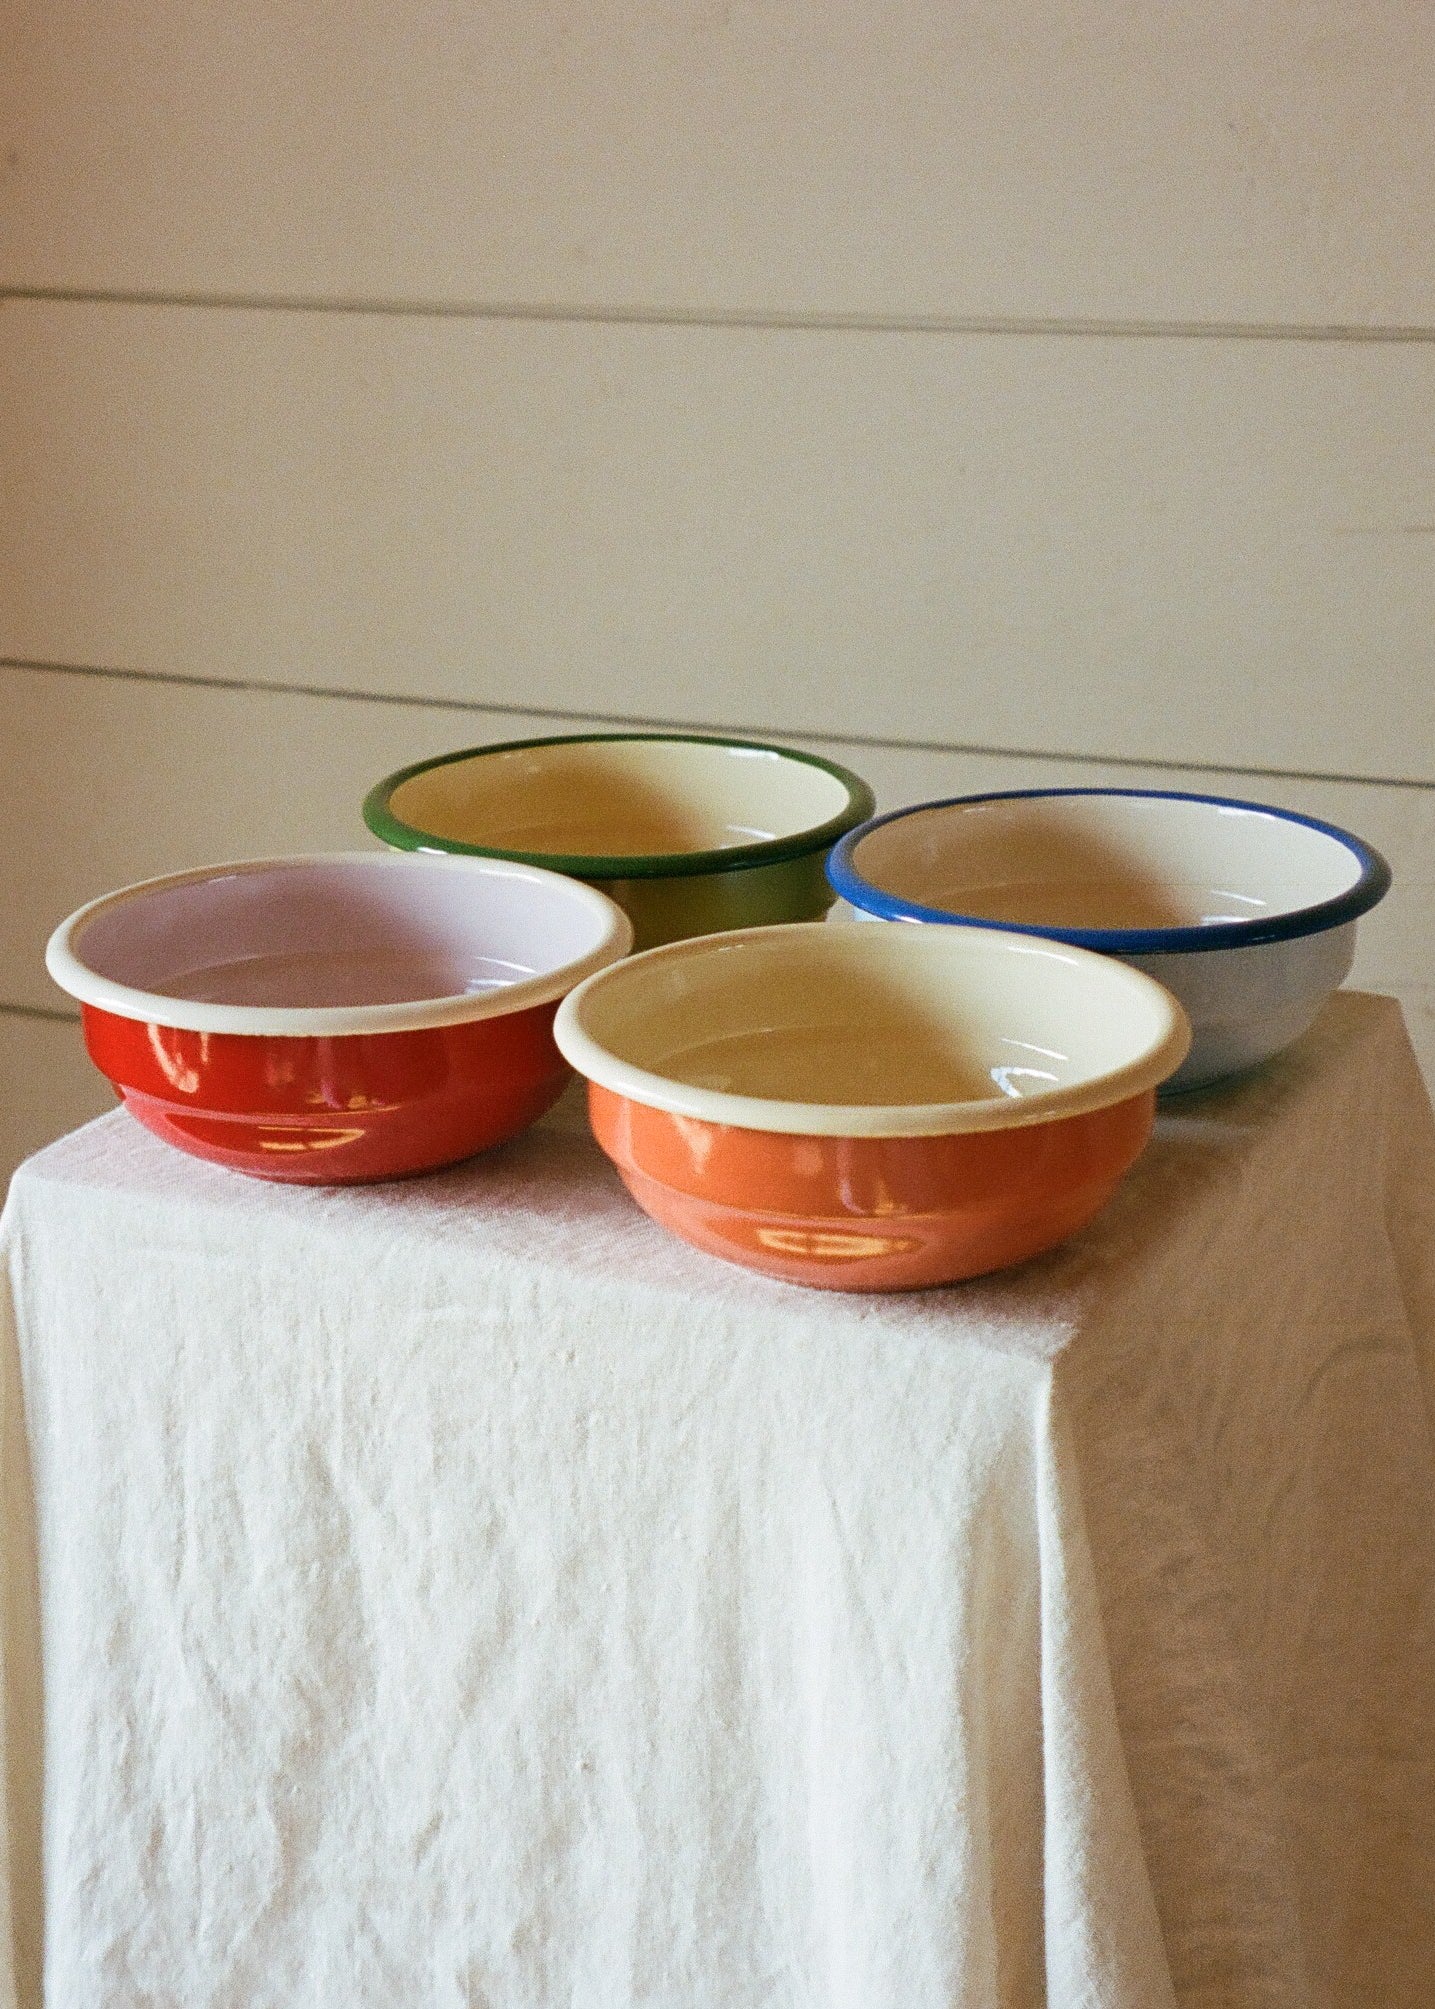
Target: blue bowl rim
column 1371, row 887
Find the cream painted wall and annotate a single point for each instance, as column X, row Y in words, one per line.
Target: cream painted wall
column 1208, row 161
column 1009, row 392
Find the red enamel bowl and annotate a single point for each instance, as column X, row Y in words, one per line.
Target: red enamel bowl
column 333, row 1019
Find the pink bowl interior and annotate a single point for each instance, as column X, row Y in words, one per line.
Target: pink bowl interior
column 337, row 932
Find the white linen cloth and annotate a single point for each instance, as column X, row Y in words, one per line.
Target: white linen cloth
column 459, row 1593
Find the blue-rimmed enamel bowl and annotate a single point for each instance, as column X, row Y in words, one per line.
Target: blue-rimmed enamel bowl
column 1246, row 913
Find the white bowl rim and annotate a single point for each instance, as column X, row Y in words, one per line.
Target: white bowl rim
column 67, row 967
column 1371, row 886
column 1164, row 1054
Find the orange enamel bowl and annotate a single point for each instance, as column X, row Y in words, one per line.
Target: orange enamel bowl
column 872, row 1108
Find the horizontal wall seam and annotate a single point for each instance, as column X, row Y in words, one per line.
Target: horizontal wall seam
column 1409, row 990
column 53, row 1017
column 1073, row 328
column 821, row 735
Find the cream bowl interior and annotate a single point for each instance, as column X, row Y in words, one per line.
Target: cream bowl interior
column 354, row 942
column 1104, row 862
column 872, row 1031
column 619, row 798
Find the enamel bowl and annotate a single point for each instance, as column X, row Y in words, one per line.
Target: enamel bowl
column 1245, row 912
column 871, row 1108
column 688, row 835
column 335, row 1018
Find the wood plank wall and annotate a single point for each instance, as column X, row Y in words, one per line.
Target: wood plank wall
column 995, row 395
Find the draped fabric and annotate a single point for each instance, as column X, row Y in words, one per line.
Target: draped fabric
column 458, row 1593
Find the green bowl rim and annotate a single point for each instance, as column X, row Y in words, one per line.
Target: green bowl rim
column 861, row 804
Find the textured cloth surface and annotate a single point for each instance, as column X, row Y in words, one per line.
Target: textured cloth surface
column 459, row 1593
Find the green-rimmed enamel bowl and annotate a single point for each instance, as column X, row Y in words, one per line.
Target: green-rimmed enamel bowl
column 689, row 835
